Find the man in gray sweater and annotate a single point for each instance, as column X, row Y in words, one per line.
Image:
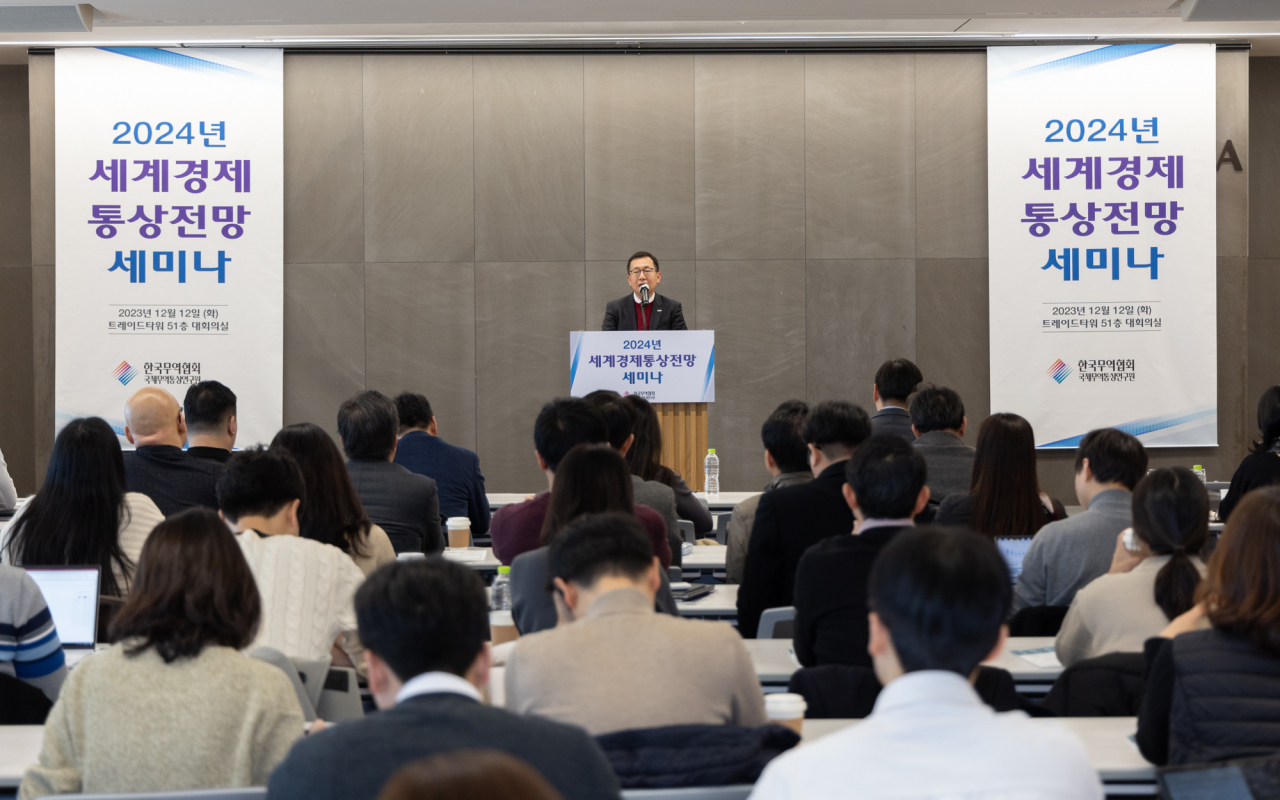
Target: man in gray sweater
column 1066, row 555
column 938, row 421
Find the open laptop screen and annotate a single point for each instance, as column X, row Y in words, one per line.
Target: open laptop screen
column 72, row 596
column 1014, row 549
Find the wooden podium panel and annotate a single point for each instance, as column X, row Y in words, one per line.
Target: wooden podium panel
column 684, row 439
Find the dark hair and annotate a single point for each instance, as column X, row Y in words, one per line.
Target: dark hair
column 193, row 589
column 836, row 428
column 781, row 436
column 1171, row 514
column 643, row 254
column 414, row 410
column 596, row 545
column 424, row 615
column 897, row 378
column 936, row 408
column 1114, row 457
column 207, row 406
column 1268, row 419
column 563, row 424
column 468, row 775
column 331, row 512
column 943, row 594
column 1240, row 590
column 259, row 481
column 645, row 455
column 887, row 474
column 368, row 424
column 1005, row 490
column 619, row 419
column 591, row 479
column 75, row 518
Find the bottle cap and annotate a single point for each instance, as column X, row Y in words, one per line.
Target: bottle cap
column 711, row 452
column 1197, row 466
column 504, row 570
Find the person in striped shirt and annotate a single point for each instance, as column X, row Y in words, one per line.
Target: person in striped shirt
column 29, row 646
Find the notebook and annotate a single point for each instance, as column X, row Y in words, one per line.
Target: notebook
column 72, row 596
column 1014, row 549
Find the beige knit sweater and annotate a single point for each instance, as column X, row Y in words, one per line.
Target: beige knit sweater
column 135, row 724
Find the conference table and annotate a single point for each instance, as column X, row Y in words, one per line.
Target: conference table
column 722, row 602
column 725, row 501
column 19, row 749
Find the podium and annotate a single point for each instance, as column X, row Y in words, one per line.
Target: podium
column 674, row 370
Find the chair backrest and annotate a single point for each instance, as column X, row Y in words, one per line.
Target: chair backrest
column 277, row 659
column 245, row 793
column 1256, row 778
column 1107, row 686
column 687, row 531
column 313, row 673
column 1038, row 621
column 836, row 691
column 340, row 698
column 776, row 623
column 721, row 530
column 21, row 703
column 690, row 793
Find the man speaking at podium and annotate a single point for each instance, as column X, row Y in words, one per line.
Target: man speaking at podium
column 644, row 309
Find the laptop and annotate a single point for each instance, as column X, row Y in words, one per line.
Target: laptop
column 72, row 596
column 1014, row 549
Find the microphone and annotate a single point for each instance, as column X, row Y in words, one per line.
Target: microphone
column 644, row 299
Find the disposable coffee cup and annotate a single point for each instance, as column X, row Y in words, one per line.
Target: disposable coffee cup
column 459, row 531
column 502, row 628
column 786, row 709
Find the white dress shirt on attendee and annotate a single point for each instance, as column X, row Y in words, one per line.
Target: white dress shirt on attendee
column 931, row 736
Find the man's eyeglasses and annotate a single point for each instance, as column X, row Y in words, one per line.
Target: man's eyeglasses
column 646, row 272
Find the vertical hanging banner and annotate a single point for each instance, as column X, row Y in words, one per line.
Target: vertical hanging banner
column 1103, row 239
column 170, row 229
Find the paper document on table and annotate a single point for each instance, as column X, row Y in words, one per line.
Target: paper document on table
column 465, row 556
column 1042, row 657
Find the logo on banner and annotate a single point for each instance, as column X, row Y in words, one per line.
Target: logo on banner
column 124, row 373
column 1059, row 371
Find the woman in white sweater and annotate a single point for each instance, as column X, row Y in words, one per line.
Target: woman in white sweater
column 174, row 704
column 1149, row 584
column 82, row 514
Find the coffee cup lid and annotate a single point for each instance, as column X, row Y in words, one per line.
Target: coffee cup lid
column 784, row 705
column 501, row 618
column 458, row 522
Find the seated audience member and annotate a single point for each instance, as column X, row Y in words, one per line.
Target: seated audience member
column 786, row 458
column 609, row 669
column 1066, row 555
column 29, row 647
column 620, row 423
column 8, row 492
column 173, row 705
column 403, row 503
column 1262, row 466
column 210, row 412
column 331, row 512
column 456, row 470
column 307, row 587
column 425, row 624
column 591, row 479
column 1213, row 675
column 1004, row 497
column 885, row 488
column 645, row 458
column 82, row 513
column 468, row 775
column 895, row 381
column 562, row 425
column 793, row 519
column 938, row 602
column 938, row 421
column 158, row 466
column 1150, row 586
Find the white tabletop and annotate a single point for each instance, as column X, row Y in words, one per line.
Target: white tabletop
column 1106, row 739
column 499, row 499
column 705, row 557
column 19, row 749
column 773, row 659
column 725, row 501
column 487, row 562
column 722, row 602
column 1022, row 670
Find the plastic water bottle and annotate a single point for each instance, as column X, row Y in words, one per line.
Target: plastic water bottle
column 1200, row 473
column 711, row 474
column 501, row 599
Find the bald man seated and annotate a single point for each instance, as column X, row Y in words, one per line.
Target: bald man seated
column 159, row 467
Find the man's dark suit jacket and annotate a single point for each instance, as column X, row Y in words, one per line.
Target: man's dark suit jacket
column 620, row 315
column 404, row 504
column 456, row 471
column 353, row 760
column 171, row 477
column 893, row 420
column 219, row 454
column 788, row 521
column 831, row 598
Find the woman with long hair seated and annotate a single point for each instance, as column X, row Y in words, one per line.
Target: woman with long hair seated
column 331, row 512
column 1004, row 498
column 1149, row 586
column 173, row 704
column 645, row 460
column 1262, row 466
column 82, row 515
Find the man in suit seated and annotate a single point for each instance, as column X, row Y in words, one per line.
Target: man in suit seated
column 406, row 505
column 630, row 313
column 792, row 519
column 456, row 470
column 895, row 381
column 938, row 421
column 610, row 668
column 158, row 466
column 425, row 626
column 210, row 411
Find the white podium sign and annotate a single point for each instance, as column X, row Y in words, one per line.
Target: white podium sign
column 660, row 366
